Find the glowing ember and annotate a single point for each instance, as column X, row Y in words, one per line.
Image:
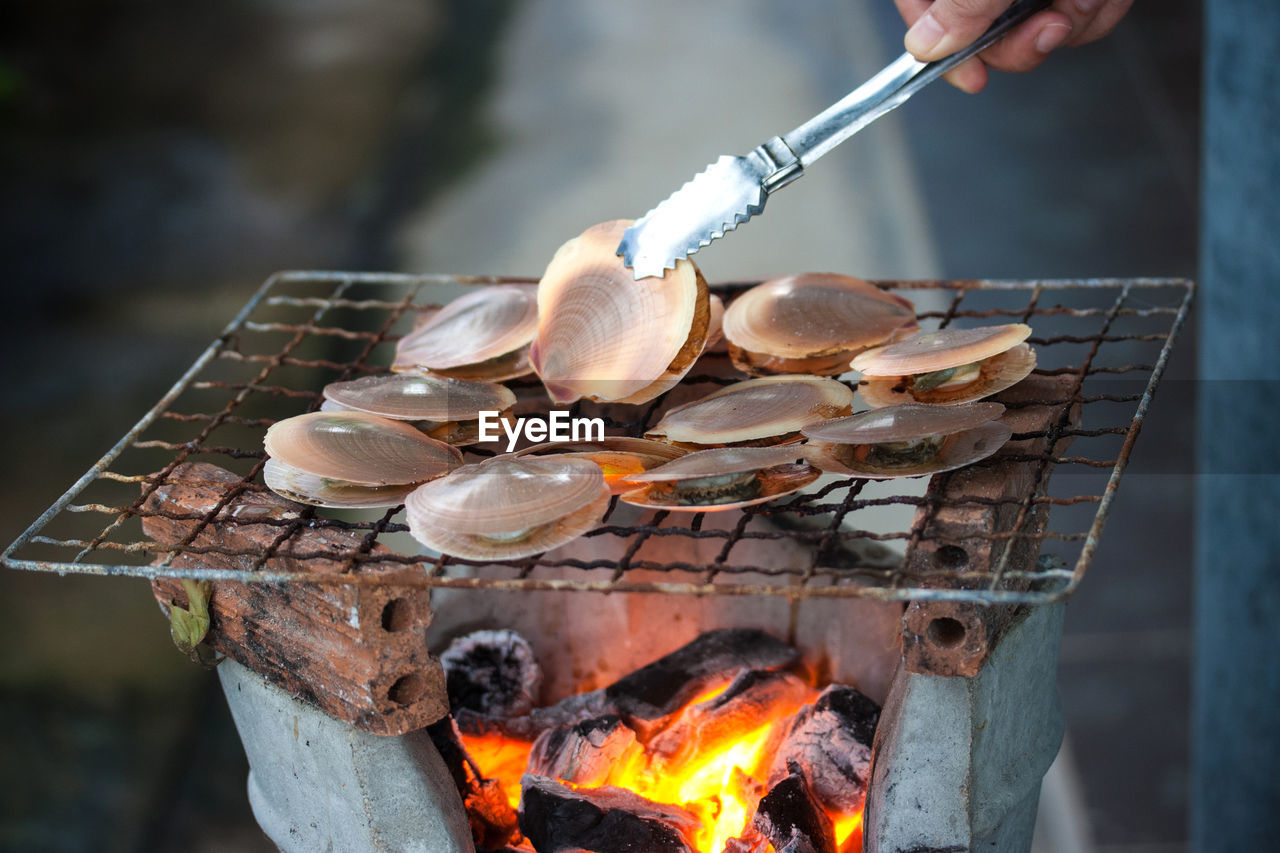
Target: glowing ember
column 721, row 782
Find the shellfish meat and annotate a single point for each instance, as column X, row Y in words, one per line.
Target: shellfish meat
column 907, row 440
column 618, row 456
column 948, row 366
column 722, row 478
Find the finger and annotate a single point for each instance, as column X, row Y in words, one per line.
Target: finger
column 1026, row 46
column 948, row 25
column 969, row 76
column 911, row 10
column 1104, row 22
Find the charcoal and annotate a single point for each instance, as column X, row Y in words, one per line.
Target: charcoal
column 493, row 821
column 791, row 819
column 752, row 699
column 556, row 818
column 493, row 673
column 831, row 741
column 567, row 712
column 583, row 754
column 649, row 695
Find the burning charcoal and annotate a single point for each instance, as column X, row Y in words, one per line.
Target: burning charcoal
column 752, row 699
column 792, row 821
column 493, row 820
column 556, row 818
column 831, row 741
column 652, row 693
column 492, row 673
column 582, row 754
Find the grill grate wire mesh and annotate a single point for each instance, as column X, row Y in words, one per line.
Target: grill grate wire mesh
column 302, row 330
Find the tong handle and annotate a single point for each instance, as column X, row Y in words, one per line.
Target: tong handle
column 899, row 80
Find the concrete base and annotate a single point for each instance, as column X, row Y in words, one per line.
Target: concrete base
column 317, row 784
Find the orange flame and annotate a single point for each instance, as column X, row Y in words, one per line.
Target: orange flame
column 721, row 786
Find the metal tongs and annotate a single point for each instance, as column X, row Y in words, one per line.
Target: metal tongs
column 733, row 189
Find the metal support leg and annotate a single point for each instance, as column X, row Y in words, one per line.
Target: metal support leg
column 958, row 760
column 318, row 784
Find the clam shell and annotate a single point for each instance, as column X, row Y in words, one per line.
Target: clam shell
column 771, row 410
column 907, row 422
column 812, row 322
column 930, row 351
column 303, row 487
column 997, row 373
column 479, row 511
column 359, row 449
column 781, row 471
column 414, row 396
column 715, row 321
column 617, row 456
column 958, row 450
column 604, row 335
column 489, row 326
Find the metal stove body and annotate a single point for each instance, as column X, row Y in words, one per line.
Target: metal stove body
column 946, row 602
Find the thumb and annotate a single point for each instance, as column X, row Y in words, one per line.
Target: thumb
column 949, row 25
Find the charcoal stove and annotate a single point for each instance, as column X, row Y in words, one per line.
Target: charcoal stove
column 944, row 601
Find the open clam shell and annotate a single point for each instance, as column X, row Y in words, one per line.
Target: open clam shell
column 303, row 487
column 722, row 478
column 483, row 335
column 605, row 336
column 946, row 367
column 908, row 440
column 443, row 408
column 359, row 448
column 618, row 456
column 769, row 410
column 508, row 507
column 812, row 323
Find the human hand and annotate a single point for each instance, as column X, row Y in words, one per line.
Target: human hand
column 941, row 27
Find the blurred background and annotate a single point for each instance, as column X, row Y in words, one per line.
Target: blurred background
column 159, row 160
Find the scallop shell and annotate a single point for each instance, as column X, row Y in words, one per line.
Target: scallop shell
column 812, row 323
column 715, row 322
column 508, row 507
column 957, row 450
column 770, row 410
column 617, row 456
column 930, row 351
column 359, row 449
column 414, row 396
column 604, row 335
column 779, row 470
column 907, row 422
column 303, row 487
column 997, row 373
column 484, row 334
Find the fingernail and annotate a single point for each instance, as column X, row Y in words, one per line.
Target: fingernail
column 1088, row 7
column 924, row 35
column 1052, row 37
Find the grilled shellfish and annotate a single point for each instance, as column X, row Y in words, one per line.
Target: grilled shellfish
column 908, row 440
column 443, row 408
column 617, row 455
column 722, row 478
column 483, row 335
column 604, row 335
column 351, row 459
column 947, row 366
column 812, row 323
column 508, row 507
column 765, row 411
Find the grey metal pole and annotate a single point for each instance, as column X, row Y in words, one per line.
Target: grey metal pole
column 1235, row 798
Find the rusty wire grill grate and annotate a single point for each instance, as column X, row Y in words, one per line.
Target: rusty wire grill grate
column 1108, row 340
